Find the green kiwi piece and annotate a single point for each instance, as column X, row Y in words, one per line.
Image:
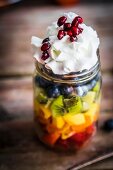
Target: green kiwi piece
column 57, row 106
column 73, row 105
column 42, row 98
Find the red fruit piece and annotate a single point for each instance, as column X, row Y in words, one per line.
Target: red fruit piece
column 45, row 46
column 45, row 40
column 75, row 31
column 90, row 129
column 63, row 143
column 67, row 26
column 72, row 39
column 45, row 55
column 77, row 20
column 61, row 21
column 60, row 34
column 79, row 138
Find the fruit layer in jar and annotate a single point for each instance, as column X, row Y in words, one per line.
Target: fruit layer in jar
column 66, row 115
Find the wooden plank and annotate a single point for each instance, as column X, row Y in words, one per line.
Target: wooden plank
column 16, row 31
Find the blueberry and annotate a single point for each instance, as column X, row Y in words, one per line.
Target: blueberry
column 41, row 82
column 85, row 90
column 53, row 91
column 91, row 84
column 108, row 125
column 66, row 90
column 79, row 91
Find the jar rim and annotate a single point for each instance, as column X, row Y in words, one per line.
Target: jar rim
column 70, row 78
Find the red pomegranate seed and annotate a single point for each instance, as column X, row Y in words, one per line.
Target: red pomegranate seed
column 61, row 21
column 45, row 40
column 45, row 46
column 75, row 31
column 60, row 34
column 67, row 26
column 80, row 30
column 77, row 20
column 72, row 39
column 45, row 55
column 68, row 33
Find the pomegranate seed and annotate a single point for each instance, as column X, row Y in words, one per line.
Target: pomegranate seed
column 72, row 39
column 45, row 40
column 45, row 46
column 75, row 31
column 77, row 20
column 67, row 26
column 61, row 21
column 68, row 33
column 80, row 30
column 45, row 55
column 60, row 34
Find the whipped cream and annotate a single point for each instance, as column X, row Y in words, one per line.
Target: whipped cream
column 65, row 56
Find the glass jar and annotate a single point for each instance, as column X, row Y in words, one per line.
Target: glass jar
column 66, row 107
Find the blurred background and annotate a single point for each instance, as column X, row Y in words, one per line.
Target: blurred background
column 52, row 2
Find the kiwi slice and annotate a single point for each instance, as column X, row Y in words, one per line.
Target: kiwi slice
column 62, row 106
column 57, row 106
column 73, row 105
column 42, row 98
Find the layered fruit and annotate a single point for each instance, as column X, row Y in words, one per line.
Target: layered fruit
column 66, row 115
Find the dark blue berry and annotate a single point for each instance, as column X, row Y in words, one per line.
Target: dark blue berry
column 91, row 84
column 39, row 81
column 53, row 91
column 79, row 91
column 108, row 125
column 66, row 90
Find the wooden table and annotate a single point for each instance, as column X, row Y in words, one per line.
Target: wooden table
column 19, row 149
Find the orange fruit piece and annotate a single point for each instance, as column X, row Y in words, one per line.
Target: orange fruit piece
column 51, row 138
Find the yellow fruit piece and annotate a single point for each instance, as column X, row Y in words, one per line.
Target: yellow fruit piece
column 66, row 132
column 58, row 122
column 89, row 98
column 45, row 111
column 77, row 119
column 92, row 114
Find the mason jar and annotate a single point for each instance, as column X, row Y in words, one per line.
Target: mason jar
column 66, row 107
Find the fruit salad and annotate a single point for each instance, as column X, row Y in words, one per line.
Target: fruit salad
column 66, row 114
column 67, row 83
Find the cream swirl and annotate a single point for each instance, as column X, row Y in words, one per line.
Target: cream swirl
column 65, row 56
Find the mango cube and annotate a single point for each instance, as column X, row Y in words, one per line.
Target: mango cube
column 76, row 119
column 58, row 122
